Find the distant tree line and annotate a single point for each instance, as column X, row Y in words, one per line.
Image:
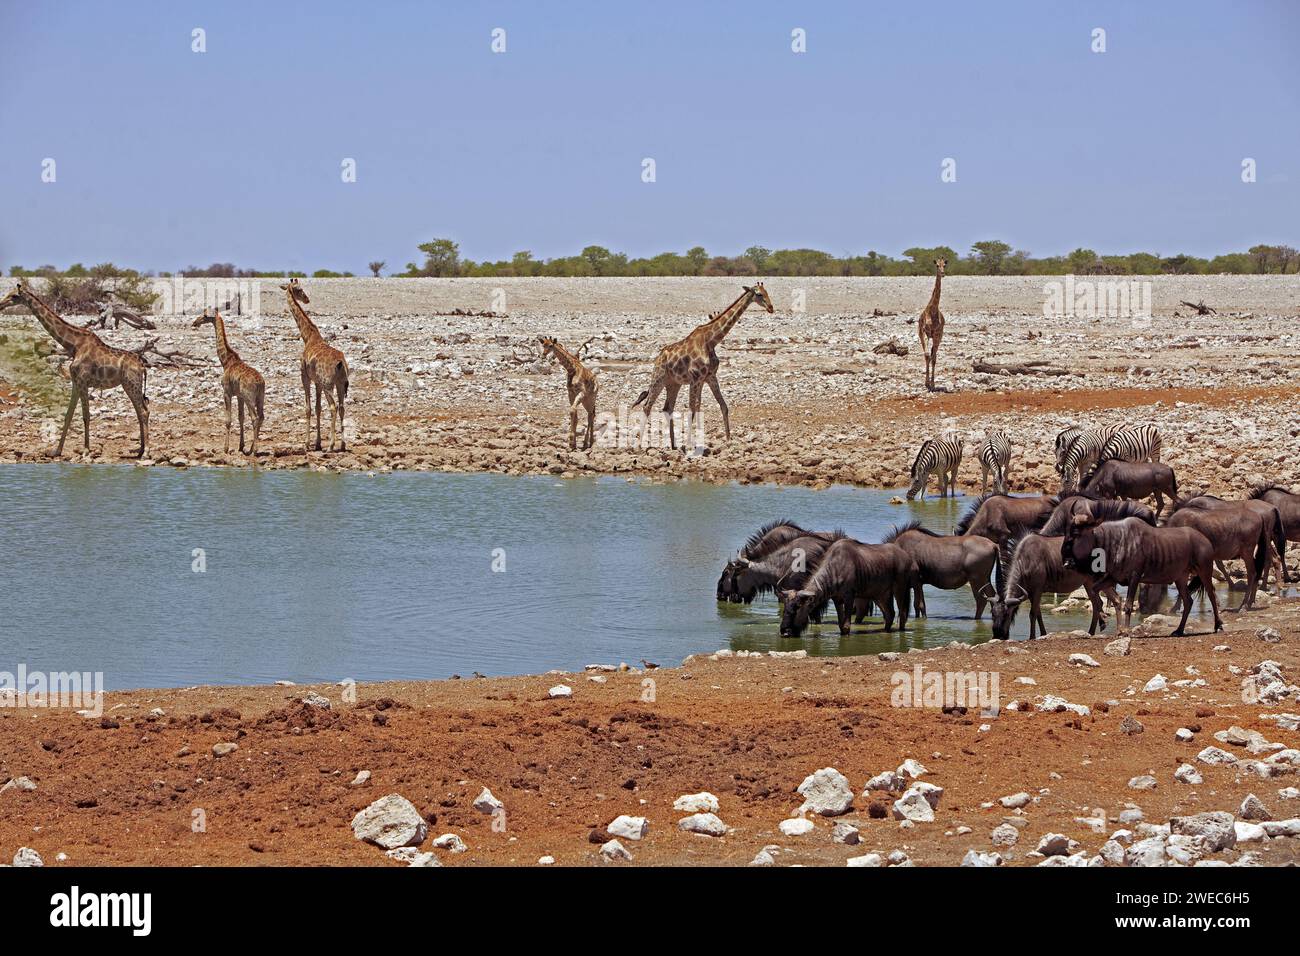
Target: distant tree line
column 988, row 258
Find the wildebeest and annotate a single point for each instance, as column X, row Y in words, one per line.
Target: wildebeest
column 1235, row 534
column 850, row 571
column 998, row 517
column 1029, row 566
column 1274, row 528
column 947, row 562
column 1131, row 552
column 1287, row 504
column 761, row 543
column 1130, row 479
column 1104, row 509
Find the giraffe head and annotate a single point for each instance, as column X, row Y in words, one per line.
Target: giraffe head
column 761, row 296
column 295, row 289
column 209, row 317
column 548, row 345
column 16, row 296
column 941, row 264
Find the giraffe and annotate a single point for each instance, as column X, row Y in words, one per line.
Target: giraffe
column 930, row 326
column 321, row 364
column 239, row 381
column 582, row 390
column 95, row 364
column 693, row 361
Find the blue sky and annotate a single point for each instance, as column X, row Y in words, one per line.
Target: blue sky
column 166, row 157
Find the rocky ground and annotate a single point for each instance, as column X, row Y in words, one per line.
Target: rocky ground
column 811, row 403
column 1141, row 751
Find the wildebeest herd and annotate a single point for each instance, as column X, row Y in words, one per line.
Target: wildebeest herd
column 1096, row 534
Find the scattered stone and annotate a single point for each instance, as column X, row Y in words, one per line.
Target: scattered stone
column 224, row 750
column 975, row 858
column 870, row 859
column 1215, row 757
column 796, row 826
column 1083, row 660
column 762, row 858
column 26, row 856
column 613, row 850
column 390, row 822
column 18, row 783
column 1183, row 735
column 412, row 857
column 704, row 802
column 1214, row 829
column 546, row 861
column 1269, row 635
column 560, row 690
column 1156, row 684
column 1143, row 782
column 361, row 779
column 486, row 803
column 450, row 841
column 899, row 858
column 913, row 806
column 1004, row 835
column 1188, row 774
column 846, row 833
column 1130, row 816
column 315, row 700
column 1015, row 800
column 1282, row 828
column 1119, row 647
column 629, row 828
column 705, row 823
column 911, row 768
column 1052, row 704
column 827, row 793
column 1252, row 808
column 1130, row 725
column 1053, row 844
column 1148, row 852
column 1289, row 793
column 889, row 780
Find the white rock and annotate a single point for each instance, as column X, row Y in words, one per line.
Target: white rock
column 796, row 826
column 546, row 861
column 888, row 780
column 450, row 841
column 762, row 858
column 26, row 856
column 703, row 802
column 486, row 803
column 913, row 806
column 412, row 857
column 1285, row 828
column 1252, row 808
column 1004, row 835
column 1015, row 800
column 1118, row 648
column 911, row 768
column 1053, row 844
column 975, row 858
column 1083, row 660
column 705, row 823
column 1183, row 735
column 1189, row 775
column 1143, row 782
column 1155, row 684
column 560, row 690
column 315, row 700
column 361, row 779
column 1215, row 757
column 846, row 833
column 1289, row 793
column 1214, row 829
column 18, row 783
column 613, row 850
column 827, row 793
column 1052, row 704
column 1148, row 852
column 390, row 822
column 629, row 828
column 1249, row 832
column 869, row 859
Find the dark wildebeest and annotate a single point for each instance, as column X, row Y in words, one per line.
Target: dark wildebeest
column 998, row 517
column 761, row 543
column 1029, row 566
column 852, row 571
column 1108, row 509
column 786, row 569
column 1287, row 504
column 947, row 562
column 1274, row 527
column 1235, row 534
column 1132, row 552
column 1132, row 479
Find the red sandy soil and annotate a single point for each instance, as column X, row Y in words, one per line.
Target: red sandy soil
column 123, row 790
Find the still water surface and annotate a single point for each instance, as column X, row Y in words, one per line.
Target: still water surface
column 321, row 577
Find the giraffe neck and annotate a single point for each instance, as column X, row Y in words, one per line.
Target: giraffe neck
column 567, row 359
column 306, row 328
column 223, row 347
column 727, row 319
column 934, row 296
column 66, row 334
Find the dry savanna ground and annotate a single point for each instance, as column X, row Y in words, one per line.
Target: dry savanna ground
column 811, row 403
column 269, row 775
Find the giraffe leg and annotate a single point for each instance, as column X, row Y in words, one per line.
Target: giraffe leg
column 590, row 438
column 85, row 418
column 670, row 402
column 343, row 436
column 228, row 425
column 257, row 427
column 306, row 394
column 693, row 413
column 573, row 422
column 67, row 419
column 136, row 394
column 318, row 425
column 716, row 389
column 240, row 400
column 334, row 415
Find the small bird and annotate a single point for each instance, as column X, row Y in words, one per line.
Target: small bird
column 477, row 674
column 648, row 665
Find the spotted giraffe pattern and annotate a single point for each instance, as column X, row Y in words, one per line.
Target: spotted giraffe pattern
column 95, row 364
column 239, row 381
column 930, row 326
column 323, row 366
column 582, row 390
column 694, row 361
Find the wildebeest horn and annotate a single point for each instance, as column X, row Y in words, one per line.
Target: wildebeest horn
column 988, row 590
column 1023, row 593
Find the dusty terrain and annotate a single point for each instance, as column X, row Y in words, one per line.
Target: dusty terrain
column 810, row 402
column 127, row 787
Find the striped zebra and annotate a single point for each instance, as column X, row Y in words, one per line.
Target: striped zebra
column 937, row 455
column 1133, row 443
column 1083, row 453
column 1064, row 439
column 995, row 458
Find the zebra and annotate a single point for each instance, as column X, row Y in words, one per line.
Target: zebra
column 995, row 457
column 941, row 455
column 1064, row 439
column 1082, row 451
column 1133, row 443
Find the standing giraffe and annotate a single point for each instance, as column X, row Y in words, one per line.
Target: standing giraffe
column 94, row 365
column 582, row 390
column 239, row 380
column 321, row 364
column 930, row 326
column 693, row 361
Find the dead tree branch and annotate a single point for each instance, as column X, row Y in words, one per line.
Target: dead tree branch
column 892, row 347
column 1019, row 368
column 153, row 357
column 1200, row 307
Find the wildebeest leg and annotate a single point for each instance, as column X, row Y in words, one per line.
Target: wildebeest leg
column 1214, row 601
column 1130, row 596
column 1252, row 581
column 901, row 592
column 1042, row 625
column 842, row 611
column 1160, row 503
column 918, row 600
column 1185, row 595
column 1094, row 598
column 887, row 612
column 977, row 589
column 1034, row 599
